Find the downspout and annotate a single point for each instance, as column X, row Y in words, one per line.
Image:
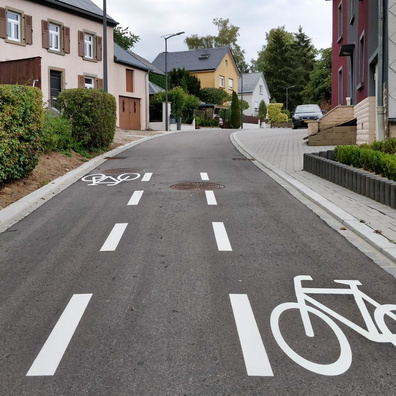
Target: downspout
column 380, row 77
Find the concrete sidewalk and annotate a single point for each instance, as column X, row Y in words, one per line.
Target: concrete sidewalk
column 279, row 152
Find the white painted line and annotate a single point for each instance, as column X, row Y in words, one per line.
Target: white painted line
column 147, row 176
column 223, row 243
column 135, row 198
column 204, row 176
column 254, row 354
column 210, row 198
column 51, row 353
column 114, row 237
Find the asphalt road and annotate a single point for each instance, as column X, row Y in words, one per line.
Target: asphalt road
column 138, row 288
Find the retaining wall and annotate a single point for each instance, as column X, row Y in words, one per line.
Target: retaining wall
column 324, row 165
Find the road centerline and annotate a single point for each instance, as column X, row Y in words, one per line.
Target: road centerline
column 223, row 243
column 254, row 353
column 51, row 353
column 135, row 198
column 210, row 197
column 114, row 237
column 147, row 177
column 204, row 176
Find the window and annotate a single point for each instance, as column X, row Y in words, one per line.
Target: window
column 221, row 81
column 89, row 82
column 362, row 56
column 230, row 83
column 88, row 46
column 261, row 89
column 353, row 11
column 256, row 106
column 340, row 21
column 129, row 80
column 14, row 26
column 340, row 86
column 54, row 37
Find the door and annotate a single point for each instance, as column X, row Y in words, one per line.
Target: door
column 55, row 86
column 129, row 113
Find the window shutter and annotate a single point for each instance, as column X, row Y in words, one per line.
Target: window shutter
column 3, row 23
column 99, row 83
column 80, row 43
column 81, row 81
column 28, row 29
column 45, row 33
column 98, row 48
column 66, row 40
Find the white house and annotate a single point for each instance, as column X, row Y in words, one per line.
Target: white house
column 253, row 89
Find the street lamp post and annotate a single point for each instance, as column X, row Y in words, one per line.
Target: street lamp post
column 287, row 96
column 166, row 38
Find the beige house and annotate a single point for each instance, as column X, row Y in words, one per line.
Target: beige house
column 59, row 45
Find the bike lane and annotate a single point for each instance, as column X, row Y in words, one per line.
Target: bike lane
column 177, row 326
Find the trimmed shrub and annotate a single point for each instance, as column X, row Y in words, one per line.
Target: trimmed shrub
column 92, row 114
column 274, row 113
column 235, row 111
column 21, row 120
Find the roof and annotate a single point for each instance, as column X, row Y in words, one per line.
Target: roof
column 195, row 60
column 250, row 81
column 154, row 88
column 85, row 8
column 145, row 62
column 126, row 58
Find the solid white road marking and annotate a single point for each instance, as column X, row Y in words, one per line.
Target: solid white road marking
column 147, row 177
column 223, row 243
column 51, row 353
column 210, row 198
column 254, row 354
column 135, row 198
column 114, row 237
column 204, row 176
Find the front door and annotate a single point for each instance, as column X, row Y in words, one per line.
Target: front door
column 129, row 113
column 55, row 86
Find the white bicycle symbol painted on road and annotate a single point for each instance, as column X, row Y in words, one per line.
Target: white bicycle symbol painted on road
column 99, row 178
column 370, row 332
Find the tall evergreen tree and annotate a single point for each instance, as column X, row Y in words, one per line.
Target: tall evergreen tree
column 235, row 111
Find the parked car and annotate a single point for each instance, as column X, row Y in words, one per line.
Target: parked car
column 306, row 112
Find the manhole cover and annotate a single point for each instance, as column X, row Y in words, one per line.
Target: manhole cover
column 115, row 158
column 197, row 186
column 243, row 159
column 121, row 170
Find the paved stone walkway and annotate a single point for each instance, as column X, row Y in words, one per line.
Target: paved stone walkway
column 281, row 150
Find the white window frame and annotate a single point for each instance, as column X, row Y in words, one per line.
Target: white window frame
column 89, row 82
column 89, row 40
column 261, row 90
column 14, row 26
column 230, row 83
column 54, row 31
column 221, row 81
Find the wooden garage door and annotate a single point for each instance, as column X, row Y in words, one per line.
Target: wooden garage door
column 129, row 113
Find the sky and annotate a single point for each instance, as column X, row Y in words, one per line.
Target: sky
column 152, row 19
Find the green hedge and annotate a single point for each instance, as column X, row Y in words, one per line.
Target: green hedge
column 274, row 113
column 92, row 113
column 21, row 120
column 369, row 159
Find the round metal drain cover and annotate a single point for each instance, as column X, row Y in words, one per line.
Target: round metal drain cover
column 121, row 170
column 197, row 186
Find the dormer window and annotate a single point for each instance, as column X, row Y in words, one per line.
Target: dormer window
column 204, row 56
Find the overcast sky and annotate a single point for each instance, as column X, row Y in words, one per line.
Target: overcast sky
column 151, row 19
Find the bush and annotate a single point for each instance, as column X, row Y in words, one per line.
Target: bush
column 274, row 113
column 56, row 134
column 235, row 111
column 92, row 114
column 21, row 120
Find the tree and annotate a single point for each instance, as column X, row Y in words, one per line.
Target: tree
column 124, row 38
column 318, row 89
column 214, row 96
column 227, row 37
column 182, row 78
column 235, row 111
column 262, row 111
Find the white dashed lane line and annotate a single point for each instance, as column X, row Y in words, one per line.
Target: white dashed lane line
column 51, row 353
column 114, row 237
column 223, row 243
column 254, row 353
column 147, row 177
column 210, row 198
column 135, row 198
column 204, row 176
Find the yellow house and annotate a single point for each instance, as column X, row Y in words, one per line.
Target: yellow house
column 215, row 67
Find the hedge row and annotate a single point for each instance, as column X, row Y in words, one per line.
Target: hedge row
column 92, row 114
column 21, row 121
column 370, row 160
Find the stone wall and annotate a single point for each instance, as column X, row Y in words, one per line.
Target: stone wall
column 345, row 135
column 365, row 114
column 336, row 116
